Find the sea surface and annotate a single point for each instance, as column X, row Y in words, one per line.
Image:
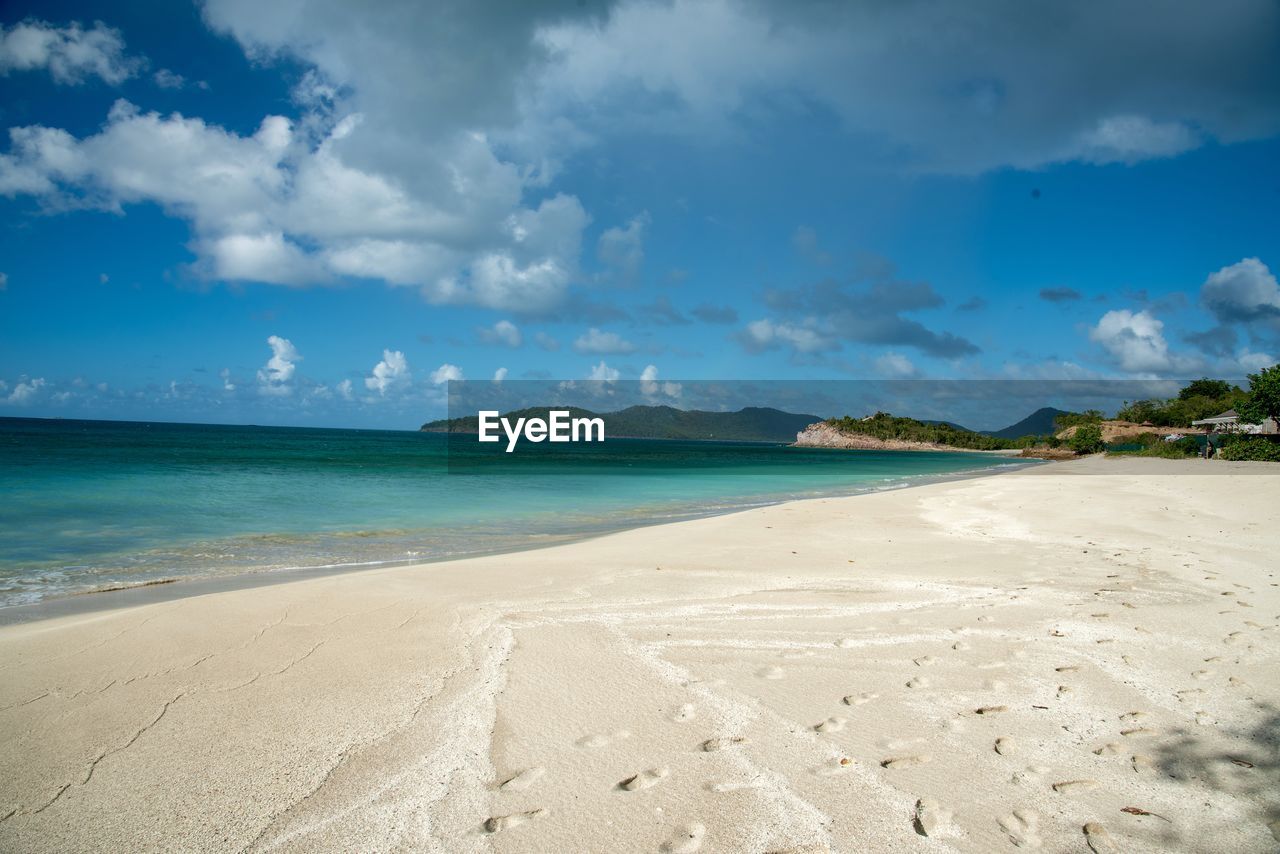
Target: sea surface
column 94, row 505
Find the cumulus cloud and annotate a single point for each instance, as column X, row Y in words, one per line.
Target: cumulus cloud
column 445, row 373
column 70, row 54
column 499, row 375
column 503, row 332
column 390, row 373
column 276, row 376
column 227, row 383
column 284, row 206
column 1244, row 292
column 603, row 373
column 651, row 387
column 622, row 248
column 598, row 342
column 25, row 391
column 345, row 389
column 1130, row 138
column 1135, row 342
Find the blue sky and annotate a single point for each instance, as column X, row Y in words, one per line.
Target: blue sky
column 306, row 212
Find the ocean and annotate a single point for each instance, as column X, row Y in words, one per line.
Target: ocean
column 93, row 505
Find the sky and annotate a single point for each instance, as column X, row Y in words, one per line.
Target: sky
column 315, row 212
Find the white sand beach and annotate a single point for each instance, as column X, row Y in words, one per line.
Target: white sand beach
column 1084, row 656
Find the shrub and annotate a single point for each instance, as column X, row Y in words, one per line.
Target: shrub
column 1087, row 439
column 1250, row 448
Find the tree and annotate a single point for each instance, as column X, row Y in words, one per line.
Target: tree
column 1205, row 387
column 1087, row 439
column 1264, row 397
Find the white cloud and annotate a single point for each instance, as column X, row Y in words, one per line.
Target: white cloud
column 765, row 334
column 503, row 332
column 445, row 373
column 895, row 366
column 623, row 248
column 499, row 375
column 391, row 372
column 344, row 389
column 166, row 79
column 71, row 54
column 276, row 376
column 1246, row 291
column 595, row 341
column 25, row 391
column 283, row 205
column 225, row 376
column 1128, row 139
column 604, row 373
column 1135, row 342
column 650, row 387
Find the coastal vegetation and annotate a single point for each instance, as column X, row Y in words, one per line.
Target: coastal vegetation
column 891, row 428
column 1202, row 398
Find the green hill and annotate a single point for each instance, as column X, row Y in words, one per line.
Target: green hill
column 1038, row 423
column 752, row 424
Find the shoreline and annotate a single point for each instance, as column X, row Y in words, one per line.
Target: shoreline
column 968, row 666
column 181, row 587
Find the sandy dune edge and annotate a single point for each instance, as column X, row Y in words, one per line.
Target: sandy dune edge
column 972, row 666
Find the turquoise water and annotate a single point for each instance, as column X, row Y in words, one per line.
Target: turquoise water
column 87, row 505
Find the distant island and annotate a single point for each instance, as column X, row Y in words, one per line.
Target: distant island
column 750, row 424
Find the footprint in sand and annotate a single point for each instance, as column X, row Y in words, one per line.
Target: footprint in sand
column 772, row 672
column 1067, row 668
column 929, row 816
column 1005, row 746
column 523, row 780
column 1070, row 787
column 960, row 646
column 1201, row 674
column 918, row 682
column 1139, row 732
column 644, row 779
column 1187, row 693
column 599, row 739
column 684, row 713
column 499, row 823
column 833, row 724
column 713, row 745
column 687, row 840
column 1111, row 748
column 924, row 660
column 1022, row 827
column 1064, row 690
column 1143, row 764
column 1098, row 840
column 897, row 762
column 1236, row 682
column 1133, row 716
column 990, row 710
column 860, row 699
